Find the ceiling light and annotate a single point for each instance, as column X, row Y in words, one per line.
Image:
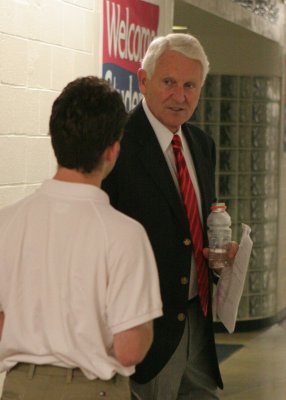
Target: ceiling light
column 180, row 28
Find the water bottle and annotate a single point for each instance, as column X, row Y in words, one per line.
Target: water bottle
column 219, row 235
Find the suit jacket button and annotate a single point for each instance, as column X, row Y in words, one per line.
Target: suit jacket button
column 187, row 242
column 184, row 280
column 181, row 317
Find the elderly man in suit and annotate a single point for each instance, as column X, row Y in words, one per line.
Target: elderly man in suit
column 148, row 184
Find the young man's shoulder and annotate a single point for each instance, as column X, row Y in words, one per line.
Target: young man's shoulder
column 116, row 220
column 10, row 210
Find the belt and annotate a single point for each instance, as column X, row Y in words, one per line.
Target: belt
column 48, row 370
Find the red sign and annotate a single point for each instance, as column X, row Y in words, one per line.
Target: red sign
column 129, row 27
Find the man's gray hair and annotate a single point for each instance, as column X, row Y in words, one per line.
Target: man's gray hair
column 183, row 43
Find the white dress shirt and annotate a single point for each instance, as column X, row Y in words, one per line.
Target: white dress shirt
column 165, row 136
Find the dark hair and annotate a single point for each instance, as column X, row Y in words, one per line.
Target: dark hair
column 87, row 117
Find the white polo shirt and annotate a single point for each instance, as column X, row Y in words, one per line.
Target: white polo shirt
column 74, row 272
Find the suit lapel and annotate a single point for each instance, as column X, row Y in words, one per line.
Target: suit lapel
column 153, row 160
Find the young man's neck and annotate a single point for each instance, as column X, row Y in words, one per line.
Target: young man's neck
column 75, row 176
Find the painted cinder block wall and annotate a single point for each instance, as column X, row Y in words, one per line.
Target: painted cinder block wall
column 44, row 44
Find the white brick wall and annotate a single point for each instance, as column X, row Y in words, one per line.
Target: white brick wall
column 43, row 45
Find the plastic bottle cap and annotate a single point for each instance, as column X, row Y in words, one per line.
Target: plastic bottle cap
column 216, row 206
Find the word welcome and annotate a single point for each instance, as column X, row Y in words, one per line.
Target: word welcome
column 128, row 40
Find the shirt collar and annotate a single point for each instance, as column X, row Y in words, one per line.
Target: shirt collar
column 74, row 190
column 164, row 135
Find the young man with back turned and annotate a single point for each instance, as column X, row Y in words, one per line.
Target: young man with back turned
column 69, row 264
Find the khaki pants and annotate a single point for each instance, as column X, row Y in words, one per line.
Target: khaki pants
column 46, row 382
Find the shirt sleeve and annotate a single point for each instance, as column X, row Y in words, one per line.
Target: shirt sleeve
column 133, row 295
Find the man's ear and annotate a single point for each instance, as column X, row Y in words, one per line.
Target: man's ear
column 112, row 152
column 142, row 80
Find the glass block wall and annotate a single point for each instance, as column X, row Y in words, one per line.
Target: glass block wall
column 242, row 114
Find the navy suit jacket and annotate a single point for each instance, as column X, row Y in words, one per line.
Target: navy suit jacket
column 142, row 187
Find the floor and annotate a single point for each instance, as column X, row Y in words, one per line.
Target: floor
column 256, row 369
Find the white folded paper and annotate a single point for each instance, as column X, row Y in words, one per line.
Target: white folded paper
column 231, row 282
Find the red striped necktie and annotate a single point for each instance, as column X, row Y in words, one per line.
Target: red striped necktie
column 192, row 210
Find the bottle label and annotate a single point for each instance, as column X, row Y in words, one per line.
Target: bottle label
column 218, row 258
column 219, row 239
